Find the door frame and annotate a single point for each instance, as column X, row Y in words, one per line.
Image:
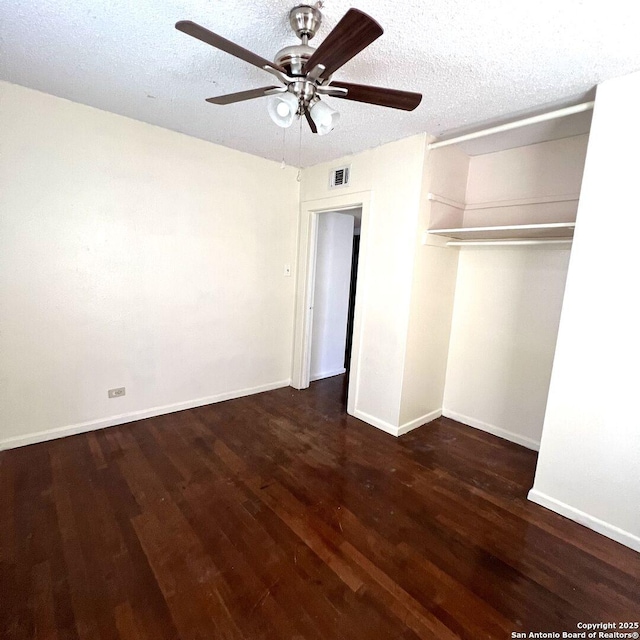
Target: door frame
column 305, row 287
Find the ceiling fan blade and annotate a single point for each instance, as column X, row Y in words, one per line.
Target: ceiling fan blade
column 349, row 37
column 230, row 98
column 196, row 31
column 312, row 124
column 393, row 98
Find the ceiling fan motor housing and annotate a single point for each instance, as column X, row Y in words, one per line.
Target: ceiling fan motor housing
column 305, row 20
column 293, row 58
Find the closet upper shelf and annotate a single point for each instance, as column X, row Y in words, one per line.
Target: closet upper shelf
column 554, row 230
column 530, row 167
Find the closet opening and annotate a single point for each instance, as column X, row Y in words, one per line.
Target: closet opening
column 505, row 200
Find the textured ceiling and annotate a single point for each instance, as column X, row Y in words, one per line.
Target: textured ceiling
column 475, row 61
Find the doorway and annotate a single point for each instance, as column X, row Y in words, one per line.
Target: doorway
column 334, row 292
column 310, row 215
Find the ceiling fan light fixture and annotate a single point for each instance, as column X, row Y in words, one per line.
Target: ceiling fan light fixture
column 282, row 109
column 303, row 72
column 324, row 117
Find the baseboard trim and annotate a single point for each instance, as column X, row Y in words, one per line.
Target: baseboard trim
column 419, row 422
column 376, row 422
column 123, row 418
column 391, row 429
column 529, row 443
column 327, row 374
column 591, row 522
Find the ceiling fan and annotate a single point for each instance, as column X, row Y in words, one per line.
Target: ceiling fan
column 305, row 74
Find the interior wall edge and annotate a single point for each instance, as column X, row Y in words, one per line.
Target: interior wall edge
column 387, row 427
column 399, row 430
column 524, row 441
column 586, row 520
column 434, row 273
column 419, row 422
column 123, row 418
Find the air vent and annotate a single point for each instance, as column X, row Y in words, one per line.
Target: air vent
column 339, row 177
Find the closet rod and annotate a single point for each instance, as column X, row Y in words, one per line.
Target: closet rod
column 448, row 201
column 506, row 243
column 543, row 117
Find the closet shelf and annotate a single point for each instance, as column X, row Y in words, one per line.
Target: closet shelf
column 552, row 231
column 510, row 243
column 498, row 204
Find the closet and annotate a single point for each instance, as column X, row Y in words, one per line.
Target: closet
column 507, row 203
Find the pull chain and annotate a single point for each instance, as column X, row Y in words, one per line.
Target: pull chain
column 283, row 164
column 299, row 176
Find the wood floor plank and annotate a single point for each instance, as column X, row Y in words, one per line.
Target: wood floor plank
column 42, row 604
column 280, row 517
column 255, row 588
column 128, row 627
column 140, row 588
column 7, row 510
column 84, row 608
column 267, row 555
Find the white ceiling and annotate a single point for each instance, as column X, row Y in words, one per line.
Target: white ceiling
column 475, row 61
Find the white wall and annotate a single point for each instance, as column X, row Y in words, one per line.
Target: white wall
column 588, row 467
column 546, row 170
column 551, row 168
column 331, row 296
column 503, row 337
column 432, row 293
column 388, row 179
column 133, row 256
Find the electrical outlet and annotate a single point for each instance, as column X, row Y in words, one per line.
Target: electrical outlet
column 116, row 393
column 287, row 270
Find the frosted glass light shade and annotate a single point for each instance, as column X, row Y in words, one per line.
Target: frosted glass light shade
column 324, row 117
column 282, row 108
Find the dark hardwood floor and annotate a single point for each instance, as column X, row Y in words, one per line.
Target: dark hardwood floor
column 278, row 516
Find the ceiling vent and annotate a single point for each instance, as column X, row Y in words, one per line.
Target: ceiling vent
column 339, row 177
